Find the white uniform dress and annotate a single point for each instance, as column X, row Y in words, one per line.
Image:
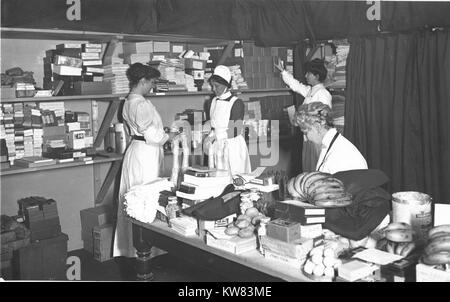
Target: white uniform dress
column 342, row 156
column 141, row 162
column 229, row 153
column 317, row 93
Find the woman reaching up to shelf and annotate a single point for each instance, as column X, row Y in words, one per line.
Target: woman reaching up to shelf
column 144, row 155
column 315, row 91
column 225, row 113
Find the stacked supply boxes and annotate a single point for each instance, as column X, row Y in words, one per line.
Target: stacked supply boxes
column 41, row 217
column 284, row 242
column 42, row 260
column 8, row 123
column 258, row 65
column 63, row 64
column 45, row 257
column 14, row 236
column 97, row 231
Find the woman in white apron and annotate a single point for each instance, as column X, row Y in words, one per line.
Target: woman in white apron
column 141, row 163
column 229, row 150
column 316, row 73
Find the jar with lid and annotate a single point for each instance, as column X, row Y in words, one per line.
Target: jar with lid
column 171, row 208
column 262, row 232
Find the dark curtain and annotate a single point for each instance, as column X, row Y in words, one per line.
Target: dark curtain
column 397, row 108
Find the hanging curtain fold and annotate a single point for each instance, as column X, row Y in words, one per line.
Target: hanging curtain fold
column 397, row 108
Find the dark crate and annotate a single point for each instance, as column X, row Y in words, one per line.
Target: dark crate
column 43, row 260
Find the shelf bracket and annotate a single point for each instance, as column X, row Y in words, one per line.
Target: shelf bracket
column 113, row 170
column 113, row 106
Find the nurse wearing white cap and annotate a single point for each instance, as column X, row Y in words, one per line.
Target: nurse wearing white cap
column 226, row 142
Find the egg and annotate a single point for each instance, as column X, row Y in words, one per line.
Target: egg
column 328, row 271
column 309, row 267
column 328, row 252
column 328, row 261
column 337, row 263
column 317, row 258
column 317, row 250
column 318, row 270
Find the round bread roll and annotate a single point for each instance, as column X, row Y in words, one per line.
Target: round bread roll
column 232, row 230
column 251, row 212
column 242, row 223
column 246, row 232
column 243, row 217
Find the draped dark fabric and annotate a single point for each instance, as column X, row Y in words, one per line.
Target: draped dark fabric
column 398, row 107
column 124, row 16
column 267, row 22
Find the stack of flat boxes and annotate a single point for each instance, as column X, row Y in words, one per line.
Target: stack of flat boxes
column 8, row 123
column 41, row 217
column 11, row 240
column 258, row 66
column 97, row 231
column 45, row 257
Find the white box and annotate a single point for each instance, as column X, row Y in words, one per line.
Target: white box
column 77, row 140
column 427, row 273
column 356, row 269
column 235, row 244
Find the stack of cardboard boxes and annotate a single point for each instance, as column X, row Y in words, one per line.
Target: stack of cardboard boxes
column 45, row 257
column 41, row 217
column 97, row 231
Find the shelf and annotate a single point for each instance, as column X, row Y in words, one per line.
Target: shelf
column 58, row 34
column 98, row 97
column 76, row 163
column 106, row 97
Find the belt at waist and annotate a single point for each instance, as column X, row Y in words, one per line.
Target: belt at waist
column 138, row 137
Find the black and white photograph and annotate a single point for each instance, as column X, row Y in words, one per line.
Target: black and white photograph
column 224, row 146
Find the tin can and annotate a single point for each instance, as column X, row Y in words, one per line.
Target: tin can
column 413, row 208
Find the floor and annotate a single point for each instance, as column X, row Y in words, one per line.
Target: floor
column 166, row 268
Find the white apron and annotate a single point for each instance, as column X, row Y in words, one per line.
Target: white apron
column 141, row 165
column 229, row 153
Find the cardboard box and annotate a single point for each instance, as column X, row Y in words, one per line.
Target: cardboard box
column 284, row 230
column 88, row 245
column 92, row 88
column 102, row 242
column 45, row 233
column 403, row 270
column 161, row 46
column 298, row 249
column 235, row 245
column 95, row 216
column 190, row 63
column 427, row 273
column 356, row 269
column 43, row 260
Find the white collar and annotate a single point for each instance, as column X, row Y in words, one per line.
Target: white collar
column 318, row 86
column 328, row 137
column 224, row 95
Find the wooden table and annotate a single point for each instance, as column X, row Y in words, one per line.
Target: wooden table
column 250, row 266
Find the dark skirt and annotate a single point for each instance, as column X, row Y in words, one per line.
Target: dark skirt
column 310, row 156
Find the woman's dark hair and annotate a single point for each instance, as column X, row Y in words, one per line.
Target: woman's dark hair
column 216, row 78
column 137, row 71
column 317, row 67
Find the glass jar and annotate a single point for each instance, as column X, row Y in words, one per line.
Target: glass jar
column 262, row 232
column 171, row 208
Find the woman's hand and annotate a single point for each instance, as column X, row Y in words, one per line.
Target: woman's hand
column 173, row 135
column 280, row 65
column 208, row 141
